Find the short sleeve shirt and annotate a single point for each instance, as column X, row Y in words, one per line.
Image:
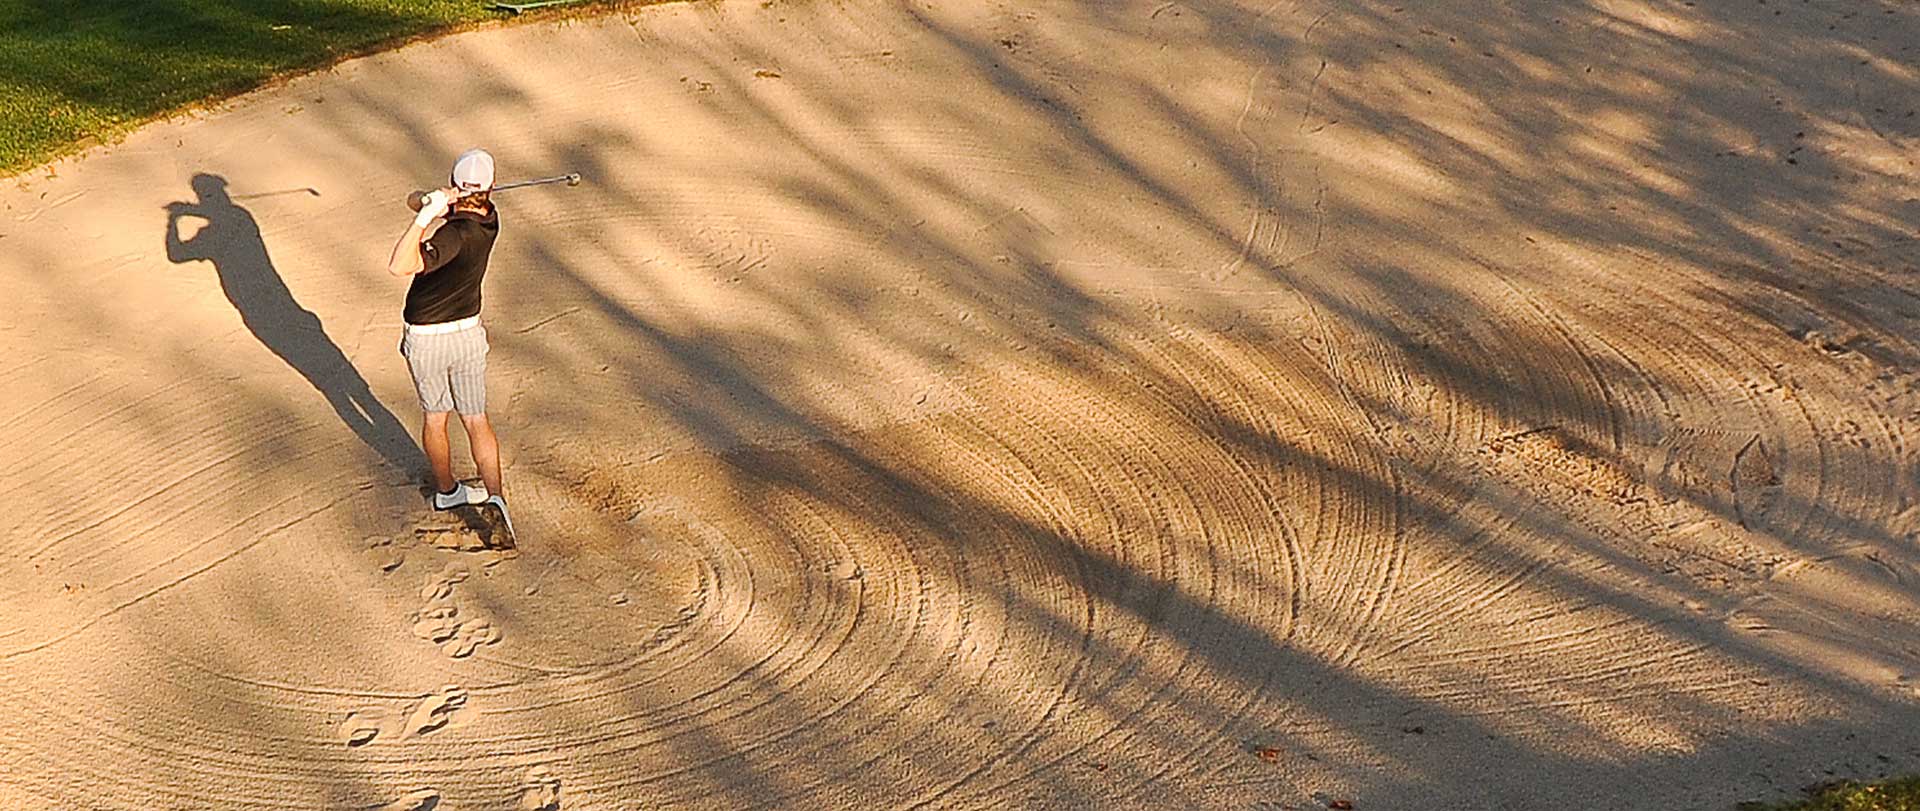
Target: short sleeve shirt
column 455, row 259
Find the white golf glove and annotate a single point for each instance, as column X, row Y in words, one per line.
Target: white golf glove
column 432, row 207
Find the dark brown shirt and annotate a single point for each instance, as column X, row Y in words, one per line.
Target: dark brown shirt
column 455, row 258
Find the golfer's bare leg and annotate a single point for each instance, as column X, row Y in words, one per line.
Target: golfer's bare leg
column 433, row 438
column 486, row 451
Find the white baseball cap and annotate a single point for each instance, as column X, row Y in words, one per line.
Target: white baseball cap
column 473, row 171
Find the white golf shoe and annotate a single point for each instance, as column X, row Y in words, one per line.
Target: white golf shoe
column 461, row 496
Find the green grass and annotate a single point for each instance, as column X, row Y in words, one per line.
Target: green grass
column 74, row 70
column 1902, row 794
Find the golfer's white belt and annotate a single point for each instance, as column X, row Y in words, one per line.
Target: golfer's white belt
column 445, row 326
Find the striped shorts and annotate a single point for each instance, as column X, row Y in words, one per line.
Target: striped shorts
column 449, row 369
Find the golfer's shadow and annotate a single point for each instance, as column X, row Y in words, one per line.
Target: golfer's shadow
column 231, row 240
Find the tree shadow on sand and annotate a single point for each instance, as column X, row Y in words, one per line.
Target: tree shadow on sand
column 231, row 241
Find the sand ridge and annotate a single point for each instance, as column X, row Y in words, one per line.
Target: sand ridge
column 1000, row 405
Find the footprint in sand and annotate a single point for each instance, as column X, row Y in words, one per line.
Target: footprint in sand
column 441, row 587
column 470, row 635
column 540, row 790
column 439, row 620
column 436, row 710
column 435, row 623
column 424, row 799
column 389, row 556
column 363, row 725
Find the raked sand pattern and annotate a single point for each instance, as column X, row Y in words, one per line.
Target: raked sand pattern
column 995, row 405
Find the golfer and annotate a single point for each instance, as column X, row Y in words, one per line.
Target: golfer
column 445, row 345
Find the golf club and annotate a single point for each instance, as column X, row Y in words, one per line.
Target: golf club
column 418, row 198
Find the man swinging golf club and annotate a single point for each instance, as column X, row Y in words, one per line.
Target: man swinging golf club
column 445, row 345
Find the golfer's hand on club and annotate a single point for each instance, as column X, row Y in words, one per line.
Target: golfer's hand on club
column 405, row 259
column 435, row 205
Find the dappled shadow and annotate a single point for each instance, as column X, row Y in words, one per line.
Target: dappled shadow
column 1394, row 281
column 1222, row 403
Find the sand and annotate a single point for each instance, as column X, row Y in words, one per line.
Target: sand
column 992, row 405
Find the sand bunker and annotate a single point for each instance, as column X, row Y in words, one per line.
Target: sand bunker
column 958, row 405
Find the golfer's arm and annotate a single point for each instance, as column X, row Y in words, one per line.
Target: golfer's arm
column 406, row 259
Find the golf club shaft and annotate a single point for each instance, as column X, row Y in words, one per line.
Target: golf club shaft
column 570, row 178
column 418, row 198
